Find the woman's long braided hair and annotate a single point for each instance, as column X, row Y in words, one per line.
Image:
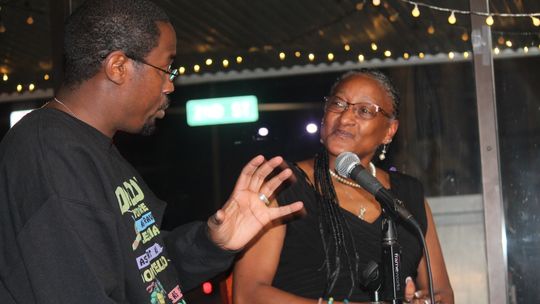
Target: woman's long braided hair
column 338, row 241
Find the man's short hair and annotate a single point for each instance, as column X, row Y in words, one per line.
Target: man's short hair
column 99, row 27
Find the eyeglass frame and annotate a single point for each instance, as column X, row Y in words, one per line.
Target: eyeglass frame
column 378, row 109
column 173, row 73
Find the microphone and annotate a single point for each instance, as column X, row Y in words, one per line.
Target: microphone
column 348, row 165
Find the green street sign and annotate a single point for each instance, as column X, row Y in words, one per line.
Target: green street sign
column 225, row 110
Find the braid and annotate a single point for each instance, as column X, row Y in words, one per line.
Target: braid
column 338, row 243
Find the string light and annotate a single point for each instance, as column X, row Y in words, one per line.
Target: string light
column 496, row 50
column 374, row 46
column 5, row 77
column 239, row 59
column 225, row 63
column 525, row 49
column 421, row 55
column 489, row 20
column 31, row 87
column 182, row 70
column 415, row 12
column 406, row 56
column 451, row 55
column 387, row 53
column 463, row 12
column 347, row 47
column 282, row 56
column 46, row 77
column 361, row 58
column 330, row 56
column 452, row 18
column 208, row 61
column 376, row 2
column 311, row 56
column 508, row 43
column 535, row 21
column 196, row 68
column 19, row 88
column 297, row 54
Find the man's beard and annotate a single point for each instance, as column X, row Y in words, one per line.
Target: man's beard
column 148, row 128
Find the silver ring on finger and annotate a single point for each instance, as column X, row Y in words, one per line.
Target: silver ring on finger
column 264, row 199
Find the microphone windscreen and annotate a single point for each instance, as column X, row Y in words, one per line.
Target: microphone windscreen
column 345, row 162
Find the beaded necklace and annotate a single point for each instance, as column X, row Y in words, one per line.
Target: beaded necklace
column 362, row 212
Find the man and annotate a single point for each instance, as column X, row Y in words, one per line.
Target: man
column 77, row 223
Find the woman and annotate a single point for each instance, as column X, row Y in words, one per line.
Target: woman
column 320, row 257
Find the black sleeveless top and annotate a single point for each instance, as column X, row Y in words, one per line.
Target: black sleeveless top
column 300, row 270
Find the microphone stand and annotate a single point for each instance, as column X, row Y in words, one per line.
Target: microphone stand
column 392, row 287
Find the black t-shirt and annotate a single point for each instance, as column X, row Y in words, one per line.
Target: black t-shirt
column 301, row 268
column 79, row 225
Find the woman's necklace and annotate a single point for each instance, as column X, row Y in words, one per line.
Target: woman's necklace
column 65, row 106
column 362, row 212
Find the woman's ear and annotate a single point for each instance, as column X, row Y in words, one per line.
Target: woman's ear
column 392, row 129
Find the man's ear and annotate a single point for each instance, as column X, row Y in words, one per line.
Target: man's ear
column 116, row 66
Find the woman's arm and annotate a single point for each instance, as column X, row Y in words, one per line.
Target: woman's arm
column 255, row 270
column 441, row 282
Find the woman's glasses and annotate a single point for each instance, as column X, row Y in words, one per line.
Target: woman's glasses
column 363, row 110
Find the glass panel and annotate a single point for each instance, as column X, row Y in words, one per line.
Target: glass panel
column 437, row 142
column 518, row 111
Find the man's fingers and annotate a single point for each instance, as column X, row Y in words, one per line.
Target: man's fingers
column 248, row 171
column 259, row 176
column 285, row 210
column 271, row 185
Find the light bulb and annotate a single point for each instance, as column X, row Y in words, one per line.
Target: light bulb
column 489, row 20
column 525, row 49
column 31, row 87
column 406, row 56
column 311, row 56
column 508, row 43
column 239, row 59
column 196, row 68
column 282, row 56
column 452, row 18
column 361, row 58
column 347, row 47
column 208, row 61
column 451, row 55
column 330, row 56
column 374, row 46
column 431, row 30
column 387, row 53
column 5, row 77
column 225, row 63
column 376, row 2
column 535, row 21
column 415, row 12
column 465, row 54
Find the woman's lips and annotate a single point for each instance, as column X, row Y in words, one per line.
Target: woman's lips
column 343, row 134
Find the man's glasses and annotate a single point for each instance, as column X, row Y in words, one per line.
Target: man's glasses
column 364, row 110
column 173, row 73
